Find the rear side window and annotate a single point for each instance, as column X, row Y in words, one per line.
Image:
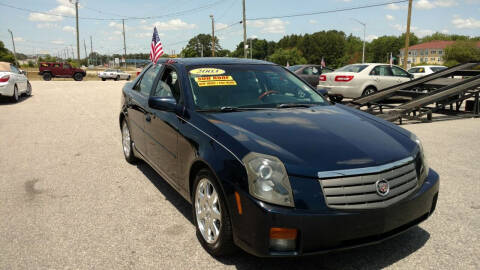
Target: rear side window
column 436, row 69
column 399, row 72
column 352, row 68
column 146, row 83
column 381, row 71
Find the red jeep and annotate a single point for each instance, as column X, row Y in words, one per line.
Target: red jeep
column 60, row 70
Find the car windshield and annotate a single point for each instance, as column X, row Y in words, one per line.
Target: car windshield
column 352, row 68
column 436, row 69
column 249, row 86
column 294, row 68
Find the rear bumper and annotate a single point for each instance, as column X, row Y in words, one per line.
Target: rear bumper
column 331, row 230
column 344, row 90
column 6, row 89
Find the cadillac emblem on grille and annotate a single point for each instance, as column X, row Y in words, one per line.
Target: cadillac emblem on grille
column 382, row 187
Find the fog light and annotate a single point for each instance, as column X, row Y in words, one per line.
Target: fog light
column 283, row 239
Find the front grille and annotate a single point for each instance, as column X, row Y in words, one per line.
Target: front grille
column 360, row 192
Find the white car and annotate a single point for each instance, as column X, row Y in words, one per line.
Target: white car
column 357, row 80
column 13, row 82
column 115, row 74
column 420, row 71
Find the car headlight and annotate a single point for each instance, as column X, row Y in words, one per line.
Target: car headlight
column 424, row 168
column 268, row 180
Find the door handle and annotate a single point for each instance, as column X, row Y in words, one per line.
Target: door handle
column 148, row 118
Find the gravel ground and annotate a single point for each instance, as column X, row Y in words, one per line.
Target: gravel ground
column 69, row 200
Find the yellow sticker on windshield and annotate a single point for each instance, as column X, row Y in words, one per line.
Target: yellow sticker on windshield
column 207, row 71
column 213, row 78
column 216, row 83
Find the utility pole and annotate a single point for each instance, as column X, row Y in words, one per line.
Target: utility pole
column 407, row 35
column 213, row 35
column 91, row 49
column 13, row 43
column 85, row 46
column 251, row 49
column 78, row 33
column 244, row 21
column 124, row 44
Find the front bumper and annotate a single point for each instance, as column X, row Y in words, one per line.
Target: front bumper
column 322, row 231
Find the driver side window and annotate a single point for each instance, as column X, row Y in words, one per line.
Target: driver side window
column 168, row 85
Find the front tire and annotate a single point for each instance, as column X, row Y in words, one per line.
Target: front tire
column 29, row 89
column 117, row 78
column 103, row 79
column 127, row 145
column 211, row 218
column 128, row 78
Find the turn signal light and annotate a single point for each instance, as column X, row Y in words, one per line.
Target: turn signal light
column 342, row 78
column 283, row 233
column 323, row 78
column 5, row 78
column 283, row 239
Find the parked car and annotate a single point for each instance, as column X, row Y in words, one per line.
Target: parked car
column 420, row 71
column 310, row 73
column 49, row 70
column 357, row 80
column 114, row 74
column 13, row 82
column 243, row 147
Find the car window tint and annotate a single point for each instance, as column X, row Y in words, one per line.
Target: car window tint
column 381, row 71
column 436, row 69
column 145, row 85
column 14, row 69
column 56, row 65
column 352, row 68
column 399, row 72
column 66, row 66
column 168, row 86
column 413, row 70
column 307, row 71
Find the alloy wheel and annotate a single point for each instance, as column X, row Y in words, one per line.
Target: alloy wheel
column 208, row 211
column 126, row 142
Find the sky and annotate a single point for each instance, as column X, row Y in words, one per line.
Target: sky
column 179, row 20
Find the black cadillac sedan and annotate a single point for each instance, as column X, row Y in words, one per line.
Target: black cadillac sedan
column 269, row 164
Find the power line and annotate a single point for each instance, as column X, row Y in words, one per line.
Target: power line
column 228, row 26
column 178, row 13
column 328, row 11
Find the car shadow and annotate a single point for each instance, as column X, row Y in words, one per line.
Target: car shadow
column 369, row 257
column 8, row 101
column 169, row 192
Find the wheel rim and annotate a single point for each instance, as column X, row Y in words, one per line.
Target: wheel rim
column 208, row 211
column 126, row 140
column 369, row 91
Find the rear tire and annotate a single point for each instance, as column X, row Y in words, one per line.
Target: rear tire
column 128, row 78
column 127, row 145
column 117, row 78
column 47, row 76
column 78, row 77
column 206, row 211
column 368, row 91
column 103, row 79
column 15, row 96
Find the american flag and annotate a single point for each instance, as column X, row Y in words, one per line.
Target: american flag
column 156, row 49
column 322, row 64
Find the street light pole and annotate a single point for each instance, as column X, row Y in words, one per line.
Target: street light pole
column 364, row 34
column 13, row 43
column 244, row 21
column 213, row 35
column 78, row 38
column 124, row 44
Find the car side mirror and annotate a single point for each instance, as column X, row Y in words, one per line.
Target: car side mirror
column 322, row 91
column 168, row 104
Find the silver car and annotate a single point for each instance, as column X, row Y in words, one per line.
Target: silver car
column 13, row 82
column 357, row 80
column 114, row 74
column 420, row 71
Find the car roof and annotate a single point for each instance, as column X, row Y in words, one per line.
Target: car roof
column 215, row 61
column 428, row 66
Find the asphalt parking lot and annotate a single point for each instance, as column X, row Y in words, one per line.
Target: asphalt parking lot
column 69, row 200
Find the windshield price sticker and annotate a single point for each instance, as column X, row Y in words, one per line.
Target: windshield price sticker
column 214, row 78
column 216, row 83
column 207, row 71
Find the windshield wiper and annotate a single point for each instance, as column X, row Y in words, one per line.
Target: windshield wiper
column 231, row 109
column 295, row 105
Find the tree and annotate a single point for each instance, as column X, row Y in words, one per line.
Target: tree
column 462, row 51
column 5, row 54
column 379, row 49
column 194, row 46
column 291, row 56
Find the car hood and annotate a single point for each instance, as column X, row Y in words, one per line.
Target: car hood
column 322, row 138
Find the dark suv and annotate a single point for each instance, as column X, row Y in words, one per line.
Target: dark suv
column 48, row 70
